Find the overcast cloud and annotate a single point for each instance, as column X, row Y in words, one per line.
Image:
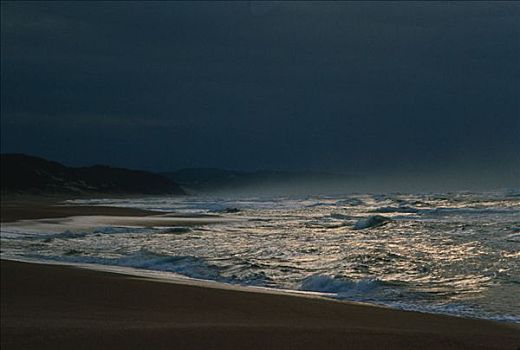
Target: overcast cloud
column 344, row 86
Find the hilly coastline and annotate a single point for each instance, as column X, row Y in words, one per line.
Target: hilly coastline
column 24, row 174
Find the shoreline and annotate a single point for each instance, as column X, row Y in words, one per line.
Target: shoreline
column 14, row 209
column 177, row 278
column 49, row 306
column 65, row 305
column 34, row 210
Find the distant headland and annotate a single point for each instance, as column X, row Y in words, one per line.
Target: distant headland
column 24, row 174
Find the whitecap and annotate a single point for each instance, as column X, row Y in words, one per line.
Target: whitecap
column 371, row 221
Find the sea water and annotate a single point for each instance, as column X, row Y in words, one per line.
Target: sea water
column 452, row 253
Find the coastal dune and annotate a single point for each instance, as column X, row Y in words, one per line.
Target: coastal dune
column 54, row 307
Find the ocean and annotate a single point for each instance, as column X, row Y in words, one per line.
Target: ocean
column 454, row 253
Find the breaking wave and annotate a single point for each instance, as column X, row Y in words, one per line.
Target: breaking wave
column 395, row 295
column 453, row 253
column 189, row 266
column 371, row 221
column 400, row 209
column 364, row 289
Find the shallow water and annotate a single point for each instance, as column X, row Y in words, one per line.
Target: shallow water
column 455, row 253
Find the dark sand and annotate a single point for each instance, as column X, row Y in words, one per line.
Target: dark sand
column 27, row 211
column 26, row 208
column 58, row 307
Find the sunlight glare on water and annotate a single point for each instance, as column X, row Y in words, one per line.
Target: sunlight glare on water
column 456, row 253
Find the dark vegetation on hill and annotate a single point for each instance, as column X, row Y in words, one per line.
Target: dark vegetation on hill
column 23, row 174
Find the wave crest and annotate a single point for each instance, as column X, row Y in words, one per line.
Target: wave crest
column 364, row 289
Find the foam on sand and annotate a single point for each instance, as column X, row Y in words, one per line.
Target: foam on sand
column 97, row 221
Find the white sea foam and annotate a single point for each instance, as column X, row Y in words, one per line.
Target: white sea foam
column 399, row 209
column 457, row 254
column 363, row 289
column 371, row 221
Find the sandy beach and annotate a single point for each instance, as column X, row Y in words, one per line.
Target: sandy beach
column 198, row 175
column 51, row 306
column 16, row 208
column 54, row 212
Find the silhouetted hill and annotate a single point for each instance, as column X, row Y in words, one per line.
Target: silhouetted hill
column 21, row 173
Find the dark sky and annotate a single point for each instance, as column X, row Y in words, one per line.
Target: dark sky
column 359, row 87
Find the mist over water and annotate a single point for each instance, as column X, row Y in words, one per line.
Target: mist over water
column 456, row 253
column 377, row 181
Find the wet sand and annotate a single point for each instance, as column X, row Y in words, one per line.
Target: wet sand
column 29, row 208
column 54, row 307
column 53, row 213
